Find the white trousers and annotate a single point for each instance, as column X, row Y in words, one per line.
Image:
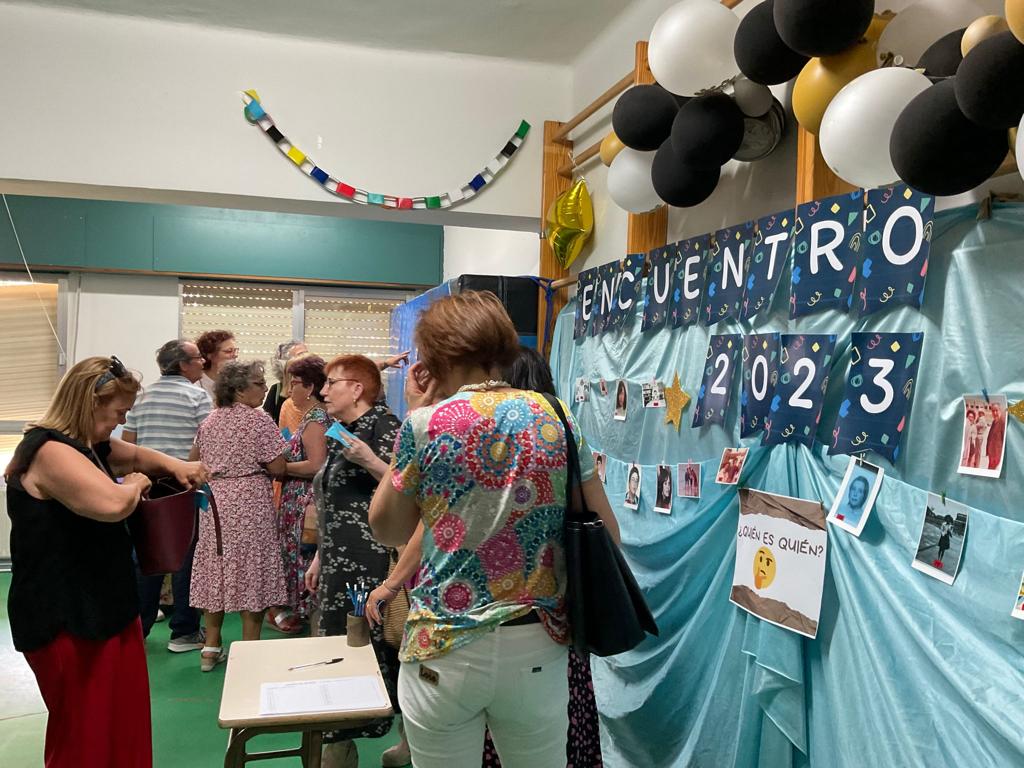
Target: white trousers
column 512, row 681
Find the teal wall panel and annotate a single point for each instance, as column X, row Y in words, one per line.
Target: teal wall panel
column 50, row 232
column 95, row 234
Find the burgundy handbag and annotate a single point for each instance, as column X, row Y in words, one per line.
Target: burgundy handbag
column 164, row 525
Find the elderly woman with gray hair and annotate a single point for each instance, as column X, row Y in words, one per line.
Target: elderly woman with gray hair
column 243, row 449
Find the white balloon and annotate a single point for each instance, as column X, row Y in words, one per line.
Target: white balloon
column 691, row 46
column 921, row 24
column 855, row 131
column 1018, row 150
column 629, row 181
column 752, row 98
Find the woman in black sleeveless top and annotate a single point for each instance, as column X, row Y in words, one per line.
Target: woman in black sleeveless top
column 73, row 601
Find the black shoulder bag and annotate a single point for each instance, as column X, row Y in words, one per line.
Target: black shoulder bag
column 607, row 610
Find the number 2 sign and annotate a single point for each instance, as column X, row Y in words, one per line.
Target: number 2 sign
column 795, row 409
column 760, row 375
column 875, row 408
column 716, row 387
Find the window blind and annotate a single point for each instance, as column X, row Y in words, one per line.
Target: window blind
column 259, row 316
column 31, row 355
column 348, row 325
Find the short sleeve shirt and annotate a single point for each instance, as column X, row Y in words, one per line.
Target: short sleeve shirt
column 488, row 470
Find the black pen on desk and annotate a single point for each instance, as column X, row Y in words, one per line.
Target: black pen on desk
column 316, row 663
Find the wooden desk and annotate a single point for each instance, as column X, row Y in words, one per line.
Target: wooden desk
column 252, row 663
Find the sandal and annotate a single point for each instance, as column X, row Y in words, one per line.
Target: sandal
column 285, row 623
column 210, row 657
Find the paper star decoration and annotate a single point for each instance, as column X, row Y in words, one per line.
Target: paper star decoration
column 676, row 401
column 1017, row 409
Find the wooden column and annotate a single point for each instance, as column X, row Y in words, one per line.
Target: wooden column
column 814, row 179
column 645, row 231
column 556, row 154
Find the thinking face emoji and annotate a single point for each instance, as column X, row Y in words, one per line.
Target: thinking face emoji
column 764, row 568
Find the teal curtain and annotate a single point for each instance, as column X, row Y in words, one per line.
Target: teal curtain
column 905, row 671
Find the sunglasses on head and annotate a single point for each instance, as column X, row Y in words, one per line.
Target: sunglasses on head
column 116, row 371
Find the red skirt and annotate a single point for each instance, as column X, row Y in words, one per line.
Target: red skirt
column 97, row 694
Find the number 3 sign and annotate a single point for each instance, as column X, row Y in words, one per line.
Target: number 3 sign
column 795, row 408
column 713, row 397
column 876, row 406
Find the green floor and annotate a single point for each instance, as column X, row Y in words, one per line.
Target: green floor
column 184, row 706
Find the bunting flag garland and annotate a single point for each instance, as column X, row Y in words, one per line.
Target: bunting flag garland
column 826, row 242
column 760, row 375
column 897, row 240
column 795, row 409
column 691, row 273
column 257, row 115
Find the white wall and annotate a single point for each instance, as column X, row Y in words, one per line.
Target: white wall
column 490, row 252
column 129, row 316
column 746, row 190
column 115, row 102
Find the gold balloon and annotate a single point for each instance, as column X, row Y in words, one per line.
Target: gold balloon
column 982, row 29
column 570, row 221
column 1014, row 12
column 1012, row 136
column 611, row 145
column 822, row 78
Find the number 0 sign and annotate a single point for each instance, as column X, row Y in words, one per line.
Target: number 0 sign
column 760, row 375
column 875, row 408
column 715, row 389
column 795, row 408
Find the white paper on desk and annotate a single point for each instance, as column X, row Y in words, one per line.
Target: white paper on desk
column 338, row 694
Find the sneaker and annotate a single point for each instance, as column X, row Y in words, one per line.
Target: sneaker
column 193, row 642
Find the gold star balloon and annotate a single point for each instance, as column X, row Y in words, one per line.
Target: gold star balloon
column 675, row 401
column 570, row 221
column 1017, row 409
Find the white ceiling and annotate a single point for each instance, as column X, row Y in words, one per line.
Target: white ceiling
column 528, row 30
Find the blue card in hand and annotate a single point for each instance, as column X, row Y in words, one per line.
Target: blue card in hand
column 339, row 433
column 286, row 433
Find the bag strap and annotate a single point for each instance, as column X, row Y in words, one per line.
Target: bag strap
column 574, row 506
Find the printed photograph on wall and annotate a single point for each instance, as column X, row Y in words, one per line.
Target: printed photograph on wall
column 731, row 465
column 984, row 439
column 653, row 393
column 621, row 400
column 1018, row 603
column 856, row 496
column 943, row 531
column 582, row 390
column 633, row 477
column 601, row 466
column 689, row 480
column 663, row 497
column 781, row 547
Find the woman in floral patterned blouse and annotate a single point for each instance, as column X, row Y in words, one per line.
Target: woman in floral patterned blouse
column 483, row 466
column 348, row 551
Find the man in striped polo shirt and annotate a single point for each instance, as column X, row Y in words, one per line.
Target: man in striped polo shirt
column 166, row 418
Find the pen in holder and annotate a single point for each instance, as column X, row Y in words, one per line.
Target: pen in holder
column 357, row 631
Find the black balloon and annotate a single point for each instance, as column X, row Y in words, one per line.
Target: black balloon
column 707, row 131
column 679, row 184
column 643, row 115
column 943, row 56
column 822, row 27
column 937, row 150
column 990, row 82
column 760, row 52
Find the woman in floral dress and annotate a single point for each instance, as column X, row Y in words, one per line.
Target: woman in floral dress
column 242, row 447
column 306, row 451
column 348, row 552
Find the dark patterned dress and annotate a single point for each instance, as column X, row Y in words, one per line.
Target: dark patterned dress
column 348, row 551
column 296, row 494
column 583, row 748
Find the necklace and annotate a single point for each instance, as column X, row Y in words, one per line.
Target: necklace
column 484, row 386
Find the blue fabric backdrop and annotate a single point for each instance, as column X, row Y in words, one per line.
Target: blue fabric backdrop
column 905, row 671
